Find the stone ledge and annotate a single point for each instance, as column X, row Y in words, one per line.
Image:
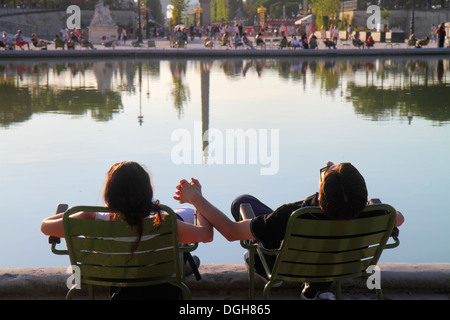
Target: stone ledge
column 229, row 281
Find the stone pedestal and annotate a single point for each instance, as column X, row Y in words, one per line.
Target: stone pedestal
column 102, row 25
column 206, row 12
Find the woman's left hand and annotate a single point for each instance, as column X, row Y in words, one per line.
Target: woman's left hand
column 188, row 191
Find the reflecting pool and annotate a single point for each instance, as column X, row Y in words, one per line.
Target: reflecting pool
column 263, row 127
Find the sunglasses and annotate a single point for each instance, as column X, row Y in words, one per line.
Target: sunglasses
column 325, row 169
column 322, row 171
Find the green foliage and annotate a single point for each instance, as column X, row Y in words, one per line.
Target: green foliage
column 220, row 10
column 179, row 7
column 328, row 8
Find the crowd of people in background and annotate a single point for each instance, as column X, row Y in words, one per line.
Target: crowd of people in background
column 232, row 35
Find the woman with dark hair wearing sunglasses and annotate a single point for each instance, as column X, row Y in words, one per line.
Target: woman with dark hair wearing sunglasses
column 342, row 195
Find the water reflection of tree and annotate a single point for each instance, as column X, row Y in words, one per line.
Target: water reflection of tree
column 179, row 92
column 24, row 102
column 418, row 92
column 378, row 89
column 429, row 102
column 15, row 104
column 25, row 89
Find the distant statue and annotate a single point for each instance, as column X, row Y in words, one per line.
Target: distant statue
column 102, row 25
column 102, row 16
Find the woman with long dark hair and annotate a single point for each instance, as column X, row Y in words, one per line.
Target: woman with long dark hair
column 128, row 192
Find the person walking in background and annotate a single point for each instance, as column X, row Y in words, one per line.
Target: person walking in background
column 433, row 33
column 123, row 35
column 441, row 35
column 323, row 33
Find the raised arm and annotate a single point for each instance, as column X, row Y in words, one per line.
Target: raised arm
column 201, row 232
column 190, row 192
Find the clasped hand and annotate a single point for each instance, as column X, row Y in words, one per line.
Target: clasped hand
column 188, row 191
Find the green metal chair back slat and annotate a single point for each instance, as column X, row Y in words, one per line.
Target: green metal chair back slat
column 337, row 228
column 102, row 251
column 124, row 258
column 335, row 257
column 118, row 228
column 144, row 273
column 316, row 250
column 333, row 244
column 120, row 244
column 308, row 272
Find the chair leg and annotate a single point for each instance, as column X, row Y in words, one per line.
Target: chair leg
column 379, row 294
column 91, row 292
column 338, row 290
column 70, row 293
column 185, row 292
column 251, row 273
column 266, row 290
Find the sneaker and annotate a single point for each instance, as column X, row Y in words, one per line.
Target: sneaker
column 308, row 293
column 327, row 296
column 259, row 275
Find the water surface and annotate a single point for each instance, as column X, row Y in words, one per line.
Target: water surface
column 63, row 124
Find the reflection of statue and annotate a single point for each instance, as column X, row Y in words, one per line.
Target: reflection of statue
column 102, row 24
column 102, row 16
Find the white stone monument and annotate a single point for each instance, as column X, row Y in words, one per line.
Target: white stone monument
column 102, row 24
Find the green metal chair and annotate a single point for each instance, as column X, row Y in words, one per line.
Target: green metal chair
column 101, row 251
column 59, row 44
column 316, row 250
column 181, row 44
column 136, row 44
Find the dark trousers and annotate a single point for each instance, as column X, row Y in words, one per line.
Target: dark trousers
column 260, row 208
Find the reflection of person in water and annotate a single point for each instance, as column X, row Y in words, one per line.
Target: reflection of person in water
column 440, row 70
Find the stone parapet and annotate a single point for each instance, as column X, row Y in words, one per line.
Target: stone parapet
column 226, row 281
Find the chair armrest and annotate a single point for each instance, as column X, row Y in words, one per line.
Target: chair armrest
column 246, row 211
column 395, row 244
column 394, row 236
column 183, row 247
column 264, row 250
column 54, row 241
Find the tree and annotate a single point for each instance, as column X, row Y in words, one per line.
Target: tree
column 179, row 6
column 156, row 10
column 220, row 10
column 325, row 9
column 329, row 8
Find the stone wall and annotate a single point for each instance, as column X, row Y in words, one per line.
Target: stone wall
column 401, row 19
column 230, row 282
column 47, row 24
